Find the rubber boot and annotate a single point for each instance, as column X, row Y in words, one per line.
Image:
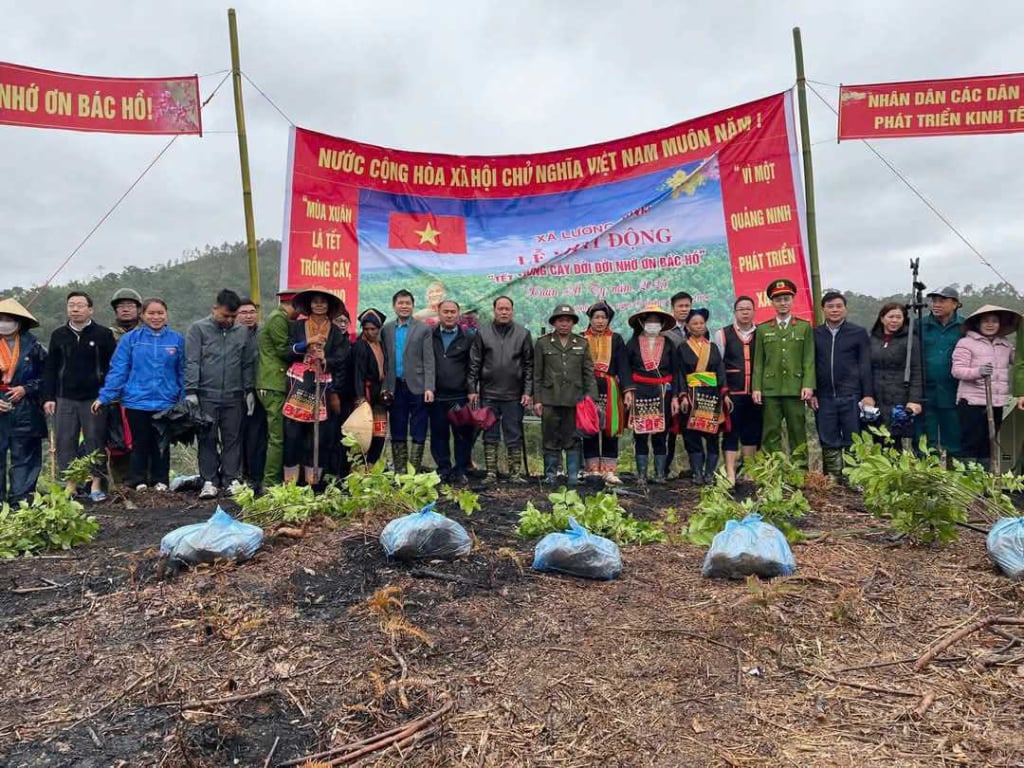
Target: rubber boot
column 400, row 456
column 491, row 463
column 572, row 467
column 830, row 462
column 660, row 466
column 697, row 465
column 416, row 457
column 641, row 469
column 552, row 466
column 514, row 456
column 710, row 465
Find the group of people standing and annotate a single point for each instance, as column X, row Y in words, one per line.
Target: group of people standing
column 275, row 397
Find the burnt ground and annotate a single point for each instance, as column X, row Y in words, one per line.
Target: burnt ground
column 110, row 660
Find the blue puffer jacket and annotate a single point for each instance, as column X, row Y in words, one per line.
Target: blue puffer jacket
column 147, row 372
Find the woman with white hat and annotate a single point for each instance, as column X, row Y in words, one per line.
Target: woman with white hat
column 650, row 384
column 22, row 424
column 981, row 363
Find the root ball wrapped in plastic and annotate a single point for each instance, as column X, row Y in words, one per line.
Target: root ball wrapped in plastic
column 1006, row 546
column 425, row 535
column 748, row 547
column 219, row 538
column 578, row 552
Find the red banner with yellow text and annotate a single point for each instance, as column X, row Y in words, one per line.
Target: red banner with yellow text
column 711, row 206
column 968, row 105
column 38, row 98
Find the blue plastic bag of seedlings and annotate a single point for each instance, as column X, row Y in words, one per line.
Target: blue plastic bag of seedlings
column 749, row 547
column 578, row 552
column 1006, row 546
column 219, row 538
column 425, row 535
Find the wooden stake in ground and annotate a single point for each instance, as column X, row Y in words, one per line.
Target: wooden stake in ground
column 995, row 458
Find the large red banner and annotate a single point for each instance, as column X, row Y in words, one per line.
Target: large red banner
column 992, row 104
column 41, row 99
column 711, row 206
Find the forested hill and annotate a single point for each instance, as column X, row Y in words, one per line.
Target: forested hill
column 190, row 284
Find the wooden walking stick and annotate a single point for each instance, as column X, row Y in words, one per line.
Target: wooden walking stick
column 995, row 458
column 52, row 449
column 316, row 422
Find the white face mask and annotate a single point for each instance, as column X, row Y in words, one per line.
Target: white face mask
column 7, row 327
column 652, row 328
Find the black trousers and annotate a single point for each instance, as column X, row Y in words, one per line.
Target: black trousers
column 558, row 428
column 745, row 424
column 974, row 442
column 254, row 445
column 838, row 420
column 220, row 447
column 149, row 464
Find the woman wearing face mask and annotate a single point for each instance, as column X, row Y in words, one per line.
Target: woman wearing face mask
column 601, row 452
column 318, row 350
column 651, row 381
column 704, row 401
column 147, row 375
column 370, row 362
column 983, row 356
column 889, row 356
column 22, row 424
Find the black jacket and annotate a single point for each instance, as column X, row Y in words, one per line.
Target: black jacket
column 451, row 366
column 26, row 419
column 888, row 370
column 366, row 379
column 501, row 362
column 77, row 363
column 842, row 362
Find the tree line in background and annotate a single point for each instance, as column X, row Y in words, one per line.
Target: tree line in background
column 189, row 285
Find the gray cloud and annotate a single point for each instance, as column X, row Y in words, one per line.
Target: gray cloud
column 489, row 78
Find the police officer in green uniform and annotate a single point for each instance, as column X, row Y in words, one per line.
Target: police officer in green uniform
column 783, row 380
column 563, row 373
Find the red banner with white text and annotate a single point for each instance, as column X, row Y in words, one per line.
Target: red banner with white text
column 711, row 206
column 954, row 107
column 38, row 98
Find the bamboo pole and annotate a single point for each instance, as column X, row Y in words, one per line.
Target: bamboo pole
column 243, row 157
column 805, row 141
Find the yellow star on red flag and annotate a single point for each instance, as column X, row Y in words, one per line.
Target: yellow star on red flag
column 428, row 234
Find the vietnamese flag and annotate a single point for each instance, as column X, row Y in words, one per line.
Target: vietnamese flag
column 427, row 232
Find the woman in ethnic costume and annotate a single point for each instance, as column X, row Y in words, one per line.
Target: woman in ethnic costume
column 651, row 381
column 369, row 359
column 601, row 452
column 704, row 399
column 317, row 348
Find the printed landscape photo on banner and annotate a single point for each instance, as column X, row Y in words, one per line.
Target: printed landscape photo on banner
column 710, row 206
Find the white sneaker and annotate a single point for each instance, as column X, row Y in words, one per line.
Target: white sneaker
column 160, row 488
column 209, row 491
column 235, row 487
column 141, row 487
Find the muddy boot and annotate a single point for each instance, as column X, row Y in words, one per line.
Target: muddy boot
column 400, row 456
column 697, row 465
column 552, row 466
column 572, row 467
column 491, row 463
column 416, row 457
column 710, row 465
column 514, row 457
column 641, row 469
column 660, row 464
column 832, row 462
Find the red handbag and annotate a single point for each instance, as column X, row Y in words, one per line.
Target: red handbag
column 461, row 416
column 588, row 422
column 484, row 418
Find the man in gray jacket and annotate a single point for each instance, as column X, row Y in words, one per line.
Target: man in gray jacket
column 219, row 377
column 501, row 376
column 409, row 351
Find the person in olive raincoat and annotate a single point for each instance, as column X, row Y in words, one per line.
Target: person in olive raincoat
column 563, row 374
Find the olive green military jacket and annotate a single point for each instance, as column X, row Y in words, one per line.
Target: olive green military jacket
column 562, row 375
column 783, row 358
column 274, row 349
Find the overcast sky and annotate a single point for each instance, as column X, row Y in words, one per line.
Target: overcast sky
column 490, row 77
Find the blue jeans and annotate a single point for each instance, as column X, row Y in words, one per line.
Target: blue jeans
column 838, row 420
column 408, row 415
column 26, row 460
column 440, row 429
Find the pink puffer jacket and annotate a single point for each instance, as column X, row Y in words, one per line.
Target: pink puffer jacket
column 972, row 352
